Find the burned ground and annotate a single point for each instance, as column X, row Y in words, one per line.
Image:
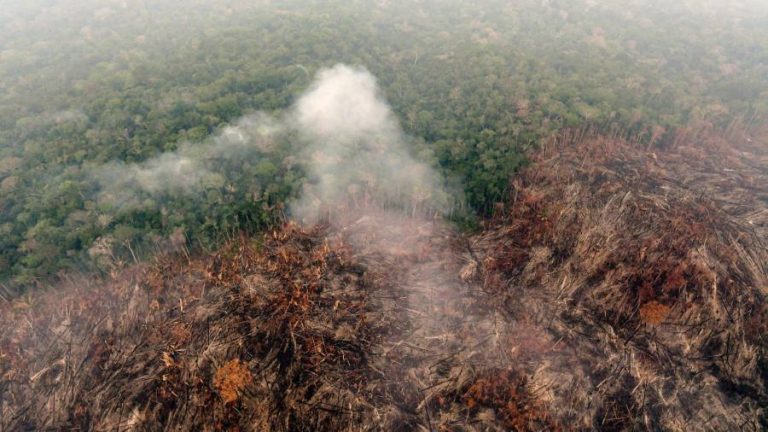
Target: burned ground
column 621, row 288
column 649, row 268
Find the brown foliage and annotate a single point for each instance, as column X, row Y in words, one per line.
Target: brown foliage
column 231, row 379
column 149, row 339
column 506, row 392
column 603, row 236
column 654, row 312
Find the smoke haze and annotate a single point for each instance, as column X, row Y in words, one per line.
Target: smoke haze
column 348, row 139
column 356, row 151
column 191, row 169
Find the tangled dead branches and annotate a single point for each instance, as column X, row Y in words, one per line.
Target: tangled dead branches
column 649, row 268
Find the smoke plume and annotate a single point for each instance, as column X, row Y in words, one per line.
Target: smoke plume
column 356, row 152
column 344, row 134
column 193, row 167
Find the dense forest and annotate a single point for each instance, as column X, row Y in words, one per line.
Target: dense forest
column 88, row 87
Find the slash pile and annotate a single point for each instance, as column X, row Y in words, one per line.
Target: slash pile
column 648, row 269
column 303, row 330
column 267, row 335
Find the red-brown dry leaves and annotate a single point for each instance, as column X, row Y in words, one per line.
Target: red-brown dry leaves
column 653, row 267
column 654, row 313
column 507, row 394
column 179, row 334
column 231, row 379
column 300, row 274
column 172, row 322
column 232, row 262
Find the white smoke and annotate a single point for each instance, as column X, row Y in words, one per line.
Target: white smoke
column 192, row 168
column 169, row 172
column 356, row 152
column 349, row 141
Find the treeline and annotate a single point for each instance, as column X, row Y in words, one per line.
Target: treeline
column 86, row 83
